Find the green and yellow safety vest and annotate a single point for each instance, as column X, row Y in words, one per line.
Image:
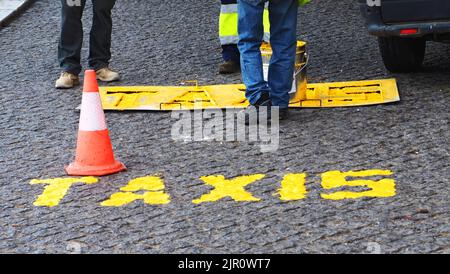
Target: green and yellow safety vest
column 228, row 24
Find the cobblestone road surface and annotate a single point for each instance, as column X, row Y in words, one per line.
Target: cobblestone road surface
column 164, row 42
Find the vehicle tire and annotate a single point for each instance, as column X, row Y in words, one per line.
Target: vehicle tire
column 402, row 54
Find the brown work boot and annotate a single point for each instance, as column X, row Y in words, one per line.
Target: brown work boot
column 229, row 67
column 67, row 80
column 107, row 75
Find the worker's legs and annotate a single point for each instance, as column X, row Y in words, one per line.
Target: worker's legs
column 283, row 19
column 251, row 33
column 71, row 37
column 100, row 35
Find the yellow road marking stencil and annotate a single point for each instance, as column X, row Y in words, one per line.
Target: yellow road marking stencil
column 337, row 94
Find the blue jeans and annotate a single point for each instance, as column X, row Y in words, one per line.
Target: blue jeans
column 283, row 29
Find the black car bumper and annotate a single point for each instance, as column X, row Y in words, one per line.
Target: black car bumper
column 377, row 27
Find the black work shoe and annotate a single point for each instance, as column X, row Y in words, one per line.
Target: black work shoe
column 229, row 67
column 283, row 113
column 252, row 112
column 264, row 100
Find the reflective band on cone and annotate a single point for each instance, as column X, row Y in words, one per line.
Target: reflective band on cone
column 92, row 117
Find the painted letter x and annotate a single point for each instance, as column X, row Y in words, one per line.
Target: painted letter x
column 233, row 188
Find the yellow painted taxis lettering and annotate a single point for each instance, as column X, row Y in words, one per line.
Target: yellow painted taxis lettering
column 57, row 188
column 233, row 188
column 151, row 186
column 378, row 188
column 292, row 187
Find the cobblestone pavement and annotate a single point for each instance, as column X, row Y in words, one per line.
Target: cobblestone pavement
column 164, row 42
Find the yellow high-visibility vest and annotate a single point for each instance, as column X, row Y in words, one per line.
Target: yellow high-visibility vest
column 228, row 24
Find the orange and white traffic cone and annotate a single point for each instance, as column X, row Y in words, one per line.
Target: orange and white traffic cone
column 94, row 155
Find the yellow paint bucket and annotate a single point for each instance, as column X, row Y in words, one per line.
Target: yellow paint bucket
column 298, row 91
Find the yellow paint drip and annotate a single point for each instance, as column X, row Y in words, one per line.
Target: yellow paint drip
column 379, row 188
column 154, row 194
column 233, row 188
column 57, row 188
column 292, row 187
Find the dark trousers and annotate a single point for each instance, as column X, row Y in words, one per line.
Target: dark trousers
column 71, row 39
column 230, row 53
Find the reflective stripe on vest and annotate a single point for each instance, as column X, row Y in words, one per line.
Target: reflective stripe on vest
column 228, row 24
